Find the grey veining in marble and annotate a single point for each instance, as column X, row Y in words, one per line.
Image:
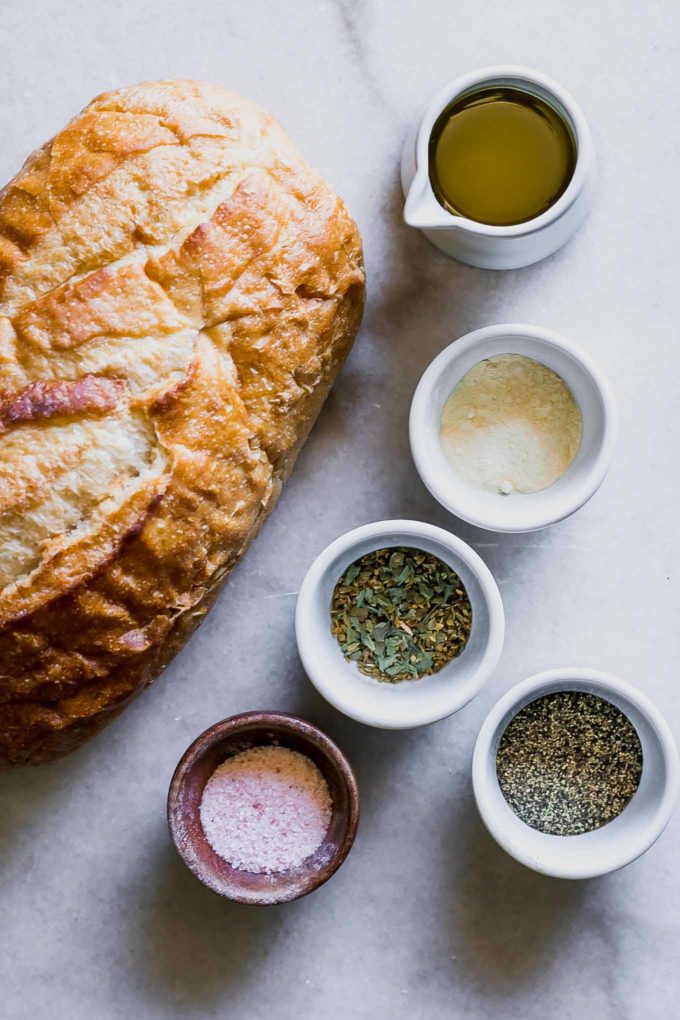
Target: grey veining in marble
column 428, row 918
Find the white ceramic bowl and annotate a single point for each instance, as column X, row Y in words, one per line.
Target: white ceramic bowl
column 410, row 703
column 618, row 842
column 520, row 511
column 479, row 244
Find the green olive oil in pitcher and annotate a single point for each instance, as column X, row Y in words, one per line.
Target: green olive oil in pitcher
column 500, row 156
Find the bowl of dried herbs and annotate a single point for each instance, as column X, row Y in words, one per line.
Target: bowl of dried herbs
column 399, row 623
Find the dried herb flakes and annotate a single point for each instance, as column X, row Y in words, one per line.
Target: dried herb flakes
column 400, row 614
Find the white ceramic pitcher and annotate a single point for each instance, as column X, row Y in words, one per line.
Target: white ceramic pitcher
column 479, row 244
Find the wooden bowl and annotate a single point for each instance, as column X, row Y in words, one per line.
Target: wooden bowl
column 211, row 749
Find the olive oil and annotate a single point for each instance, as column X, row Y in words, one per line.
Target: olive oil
column 500, row 156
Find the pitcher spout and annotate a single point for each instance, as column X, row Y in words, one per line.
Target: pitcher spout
column 422, row 210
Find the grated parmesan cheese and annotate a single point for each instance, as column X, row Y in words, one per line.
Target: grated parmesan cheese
column 511, row 425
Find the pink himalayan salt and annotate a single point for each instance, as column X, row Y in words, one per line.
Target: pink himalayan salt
column 266, row 809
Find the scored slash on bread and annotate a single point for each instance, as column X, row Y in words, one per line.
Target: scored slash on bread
column 178, row 290
column 89, row 394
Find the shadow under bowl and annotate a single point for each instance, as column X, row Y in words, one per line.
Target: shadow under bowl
column 232, row 736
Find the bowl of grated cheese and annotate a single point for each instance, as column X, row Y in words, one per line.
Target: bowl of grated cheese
column 513, row 428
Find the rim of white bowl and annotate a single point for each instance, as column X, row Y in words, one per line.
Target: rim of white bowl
column 485, row 784
column 306, row 631
column 574, row 496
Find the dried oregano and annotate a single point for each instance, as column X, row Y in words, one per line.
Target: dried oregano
column 400, row 614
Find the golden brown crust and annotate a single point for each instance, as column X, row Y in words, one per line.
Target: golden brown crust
column 178, row 290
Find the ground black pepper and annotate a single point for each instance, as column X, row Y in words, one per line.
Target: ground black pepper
column 568, row 763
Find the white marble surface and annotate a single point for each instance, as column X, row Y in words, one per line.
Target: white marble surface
column 428, row 918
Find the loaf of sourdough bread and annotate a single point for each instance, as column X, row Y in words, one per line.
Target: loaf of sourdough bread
column 178, row 290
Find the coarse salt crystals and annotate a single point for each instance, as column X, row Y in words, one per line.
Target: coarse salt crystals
column 266, row 809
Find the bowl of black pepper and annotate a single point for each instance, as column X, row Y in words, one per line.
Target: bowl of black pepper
column 575, row 773
column 399, row 624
